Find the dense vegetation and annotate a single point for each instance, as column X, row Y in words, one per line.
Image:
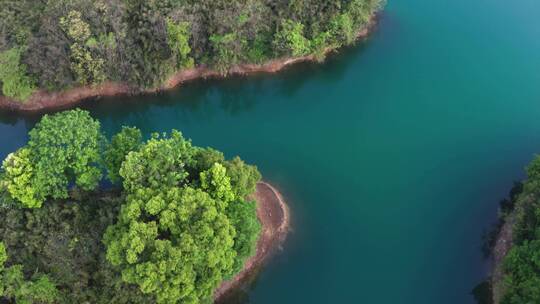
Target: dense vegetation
column 173, row 223
column 521, row 266
column 59, row 44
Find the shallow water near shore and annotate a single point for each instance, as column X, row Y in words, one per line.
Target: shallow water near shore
column 392, row 155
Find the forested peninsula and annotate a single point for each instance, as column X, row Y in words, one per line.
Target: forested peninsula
column 516, row 246
column 87, row 219
column 58, row 52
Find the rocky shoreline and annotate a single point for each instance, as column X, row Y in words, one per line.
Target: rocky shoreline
column 502, row 246
column 273, row 213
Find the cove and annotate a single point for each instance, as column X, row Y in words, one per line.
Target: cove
column 392, row 155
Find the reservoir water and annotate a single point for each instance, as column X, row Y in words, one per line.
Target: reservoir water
column 393, row 154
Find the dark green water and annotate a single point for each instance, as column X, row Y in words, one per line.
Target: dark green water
column 393, row 155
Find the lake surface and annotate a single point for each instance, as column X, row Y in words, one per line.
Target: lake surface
column 393, row 155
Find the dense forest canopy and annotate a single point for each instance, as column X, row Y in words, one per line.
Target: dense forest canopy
column 60, row 44
column 174, row 222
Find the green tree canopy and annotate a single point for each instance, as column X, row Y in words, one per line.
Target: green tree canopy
column 175, row 244
column 243, row 177
column 86, row 66
column 171, row 232
column 178, row 39
column 290, row 39
column 160, row 163
column 522, row 282
column 129, row 139
column 19, row 179
column 171, row 239
column 243, row 215
column 66, row 148
column 63, row 149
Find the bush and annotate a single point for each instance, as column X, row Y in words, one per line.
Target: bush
column 13, row 75
column 290, row 40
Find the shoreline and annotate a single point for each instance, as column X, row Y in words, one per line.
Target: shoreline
column 503, row 244
column 273, row 213
column 42, row 100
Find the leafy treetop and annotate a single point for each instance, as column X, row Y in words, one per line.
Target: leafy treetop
column 63, row 149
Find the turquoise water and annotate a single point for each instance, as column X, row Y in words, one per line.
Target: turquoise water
column 393, row 155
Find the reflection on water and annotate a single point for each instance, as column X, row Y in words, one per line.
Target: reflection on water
column 241, row 295
column 482, row 293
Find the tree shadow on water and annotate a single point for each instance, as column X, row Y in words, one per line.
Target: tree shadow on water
column 234, row 94
column 482, row 293
column 12, row 118
column 241, row 294
column 191, row 99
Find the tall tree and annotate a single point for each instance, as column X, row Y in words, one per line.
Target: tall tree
column 172, row 240
column 64, row 149
column 129, row 139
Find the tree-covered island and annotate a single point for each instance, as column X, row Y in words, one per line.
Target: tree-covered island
column 51, row 46
column 85, row 219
